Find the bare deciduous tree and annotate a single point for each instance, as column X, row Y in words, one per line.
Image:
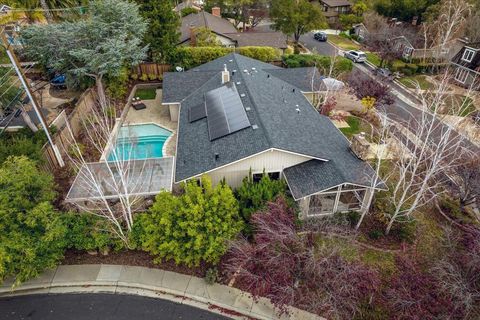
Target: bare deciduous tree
column 431, row 149
column 113, row 188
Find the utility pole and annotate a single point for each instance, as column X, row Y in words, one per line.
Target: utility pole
column 33, row 100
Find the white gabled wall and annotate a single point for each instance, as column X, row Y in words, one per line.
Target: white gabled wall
column 270, row 161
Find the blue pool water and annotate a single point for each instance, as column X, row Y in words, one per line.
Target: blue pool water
column 139, row 142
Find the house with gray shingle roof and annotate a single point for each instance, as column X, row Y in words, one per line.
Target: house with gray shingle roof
column 226, row 32
column 237, row 116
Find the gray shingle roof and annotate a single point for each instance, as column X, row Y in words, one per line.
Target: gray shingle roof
column 314, row 176
column 262, row 39
column 273, row 105
column 178, row 85
column 307, row 79
column 207, row 20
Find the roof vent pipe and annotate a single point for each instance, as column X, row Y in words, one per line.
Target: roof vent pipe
column 225, row 74
column 217, row 156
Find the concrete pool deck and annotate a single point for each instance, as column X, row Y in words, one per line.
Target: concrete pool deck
column 158, row 114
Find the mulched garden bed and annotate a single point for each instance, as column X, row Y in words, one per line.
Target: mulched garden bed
column 131, row 258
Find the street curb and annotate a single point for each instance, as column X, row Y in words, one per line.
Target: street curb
column 138, row 290
column 152, row 283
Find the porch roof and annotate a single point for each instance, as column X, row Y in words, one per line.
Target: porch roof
column 108, row 180
column 314, row 176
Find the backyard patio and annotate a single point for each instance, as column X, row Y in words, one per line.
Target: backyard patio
column 155, row 113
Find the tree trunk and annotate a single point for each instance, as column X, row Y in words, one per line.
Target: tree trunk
column 46, row 11
column 28, row 120
column 101, row 91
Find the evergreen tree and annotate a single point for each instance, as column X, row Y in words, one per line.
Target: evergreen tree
column 163, row 23
column 253, row 196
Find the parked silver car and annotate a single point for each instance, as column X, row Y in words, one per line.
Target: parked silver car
column 356, row 56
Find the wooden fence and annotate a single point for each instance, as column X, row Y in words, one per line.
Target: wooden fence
column 152, row 71
column 63, row 137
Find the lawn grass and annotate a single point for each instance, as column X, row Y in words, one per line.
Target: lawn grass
column 412, row 82
column 146, row 93
column 356, row 125
column 373, row 59
column 343, row 43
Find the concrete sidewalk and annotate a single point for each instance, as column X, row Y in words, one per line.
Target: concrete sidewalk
column 154, row 283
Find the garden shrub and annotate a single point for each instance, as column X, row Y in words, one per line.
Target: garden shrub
column 190, row 57
column 32, row 235
column 89, row 232
column 253, row 196
column 265, row 54
column 192, row 227
column 186, row 11
column 405, row 230
column 375, row 234
column 22, row 143
column 211, row 276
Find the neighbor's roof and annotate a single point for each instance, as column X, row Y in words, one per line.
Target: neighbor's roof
column 260, row 39
column 472, row 65
column 336, row 3
column 271, row 105
column 184, row 5
column 206, row 20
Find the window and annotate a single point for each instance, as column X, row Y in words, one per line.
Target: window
column 461, row 75
column 468, row 55
column 258, row 176
column 321, row 204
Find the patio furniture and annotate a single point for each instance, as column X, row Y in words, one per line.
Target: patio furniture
column 139, row 106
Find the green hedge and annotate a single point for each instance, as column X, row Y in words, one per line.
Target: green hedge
column 90, row 233
column 341, row 64
column 190, row 57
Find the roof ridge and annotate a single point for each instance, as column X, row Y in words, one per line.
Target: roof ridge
column 204, row 84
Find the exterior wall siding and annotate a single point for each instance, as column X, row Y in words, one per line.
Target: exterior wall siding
column 270, row 161
column 174, row 108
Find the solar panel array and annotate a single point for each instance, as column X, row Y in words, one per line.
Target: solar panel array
column 225, row 111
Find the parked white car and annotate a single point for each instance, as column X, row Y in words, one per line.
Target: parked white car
column 356, row 56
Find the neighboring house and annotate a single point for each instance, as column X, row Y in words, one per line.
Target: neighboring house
column 360, row 31
column 214, row 22
column 237, row 116
column 411, row 51
column 226, row 33
column 333, row 8
column 187, row 4
column 467, row 66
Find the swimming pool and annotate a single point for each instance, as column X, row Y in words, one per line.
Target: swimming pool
column 139, row 141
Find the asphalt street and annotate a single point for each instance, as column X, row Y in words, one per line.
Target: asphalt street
column 401, row 111
column 97, row 306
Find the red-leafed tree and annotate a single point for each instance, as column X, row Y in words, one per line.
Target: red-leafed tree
column 285, row 267
column 362, row 86
column 416, row 294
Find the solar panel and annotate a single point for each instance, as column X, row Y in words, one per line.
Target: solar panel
column 196, row 113
column 225, row 111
